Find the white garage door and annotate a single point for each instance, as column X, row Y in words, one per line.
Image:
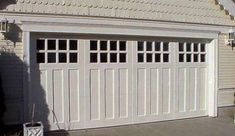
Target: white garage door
column 88, row 83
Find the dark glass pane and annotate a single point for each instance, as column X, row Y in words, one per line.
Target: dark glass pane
column 165, row 46
column 157, row 46
column 73, row 57
column 93, row 45
column 93, row 57
column 40, row 57
column 188, row 57
column 140, row 46
column 103, row 57
column 113, row 57
column 181, row 57
column 113, row 45
column 165, row 57
column 51, row 58
column 181, row 46
column 157, row 57
column 149, row 46
column 195, row 47
column 188, row 46
column 203, row 47
column 122, row 45
column 149, row 57
column 40, row 44
column 51, row 45
column 73, row 44
column 122, row 57
column 203, row 58
column 62, row 57
column 195, row 57
column 103, row 45
column 140, row 57
column 62, row 44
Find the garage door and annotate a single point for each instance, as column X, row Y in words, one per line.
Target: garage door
column 88, row 83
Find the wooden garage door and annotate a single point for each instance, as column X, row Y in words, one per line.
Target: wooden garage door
column 98, row 82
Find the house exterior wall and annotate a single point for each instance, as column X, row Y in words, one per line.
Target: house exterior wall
column 11, row 71
column 226, row 85
column 12, row 61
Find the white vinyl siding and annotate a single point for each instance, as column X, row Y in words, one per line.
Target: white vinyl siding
column 11, row 70
column 226, row 73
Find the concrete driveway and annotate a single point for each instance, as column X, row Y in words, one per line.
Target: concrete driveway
column 221, row 126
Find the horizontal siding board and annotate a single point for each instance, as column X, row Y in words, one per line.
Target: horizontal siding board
column 11, row 72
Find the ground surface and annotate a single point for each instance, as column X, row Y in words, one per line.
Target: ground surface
column 221, row 126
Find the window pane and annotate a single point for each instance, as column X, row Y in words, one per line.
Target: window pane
column 103, row 57
column 188, row 57
column 203, row 58
column 62, row 57
column 181, row 46
column 113, row 57
column 73, row 44
column 40, row 57
column 140, row 46
column 51, row 45
column 149, row 57
column 181, row 57
column 122, row 45
column 62, row 44
column 203, row 48
column 93, row 45
column 157, row 46
column 73, row 57
column 188, row 46
column 195, row 47
column 40, row 44
column 195, row 57
column 149, row 46
column 93, row 57
column 51, row 58
column 122, row 57
column 165, row 57
column 165, row 46
column 158, row 57
column 113, row 45
column 140, row 57
column 103, row 45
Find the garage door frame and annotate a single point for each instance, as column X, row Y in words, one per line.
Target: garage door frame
column 28, row 32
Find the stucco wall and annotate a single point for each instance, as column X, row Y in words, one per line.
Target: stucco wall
column 11, row 70
column 226, row 73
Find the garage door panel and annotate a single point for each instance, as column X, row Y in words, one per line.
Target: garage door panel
column 192, row 88
column 141, row 92
column 154, row 91
column 74, row 95
column 181, row 90
column 94, row 105
column 202, row 89
column 58, row 93
column 109, row 93
column 166, row 91
column 124, row 93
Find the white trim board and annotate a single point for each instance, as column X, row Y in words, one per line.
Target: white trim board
column 76, row 20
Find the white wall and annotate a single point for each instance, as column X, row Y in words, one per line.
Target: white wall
column 226, row 89
column 11, row 70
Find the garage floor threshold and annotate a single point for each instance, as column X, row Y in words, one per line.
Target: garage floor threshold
column 221, row 126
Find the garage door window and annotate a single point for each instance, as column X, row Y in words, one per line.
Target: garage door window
column 107, row 51
column 192, row 52
column 57, row 51
column 153, row 52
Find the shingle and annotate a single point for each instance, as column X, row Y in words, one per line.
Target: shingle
column 192, row 11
